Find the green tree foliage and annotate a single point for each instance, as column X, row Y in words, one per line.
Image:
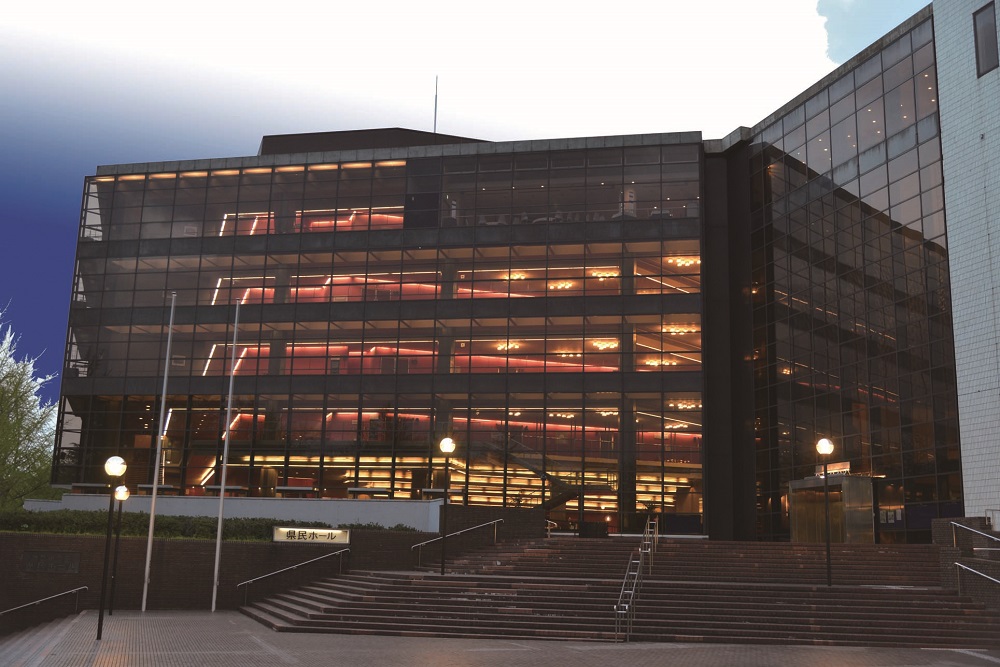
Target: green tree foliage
column 27, row 428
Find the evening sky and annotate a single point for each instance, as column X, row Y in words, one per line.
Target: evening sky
column 116, row 82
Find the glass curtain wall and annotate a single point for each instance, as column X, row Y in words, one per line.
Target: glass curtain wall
column 541, row 308
column 852, row 314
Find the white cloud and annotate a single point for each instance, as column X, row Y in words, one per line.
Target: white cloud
column 514, row 70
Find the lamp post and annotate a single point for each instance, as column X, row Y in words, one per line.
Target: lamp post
column 447, row 446
column 121, row 495
column 824, row 447
column 115, row 468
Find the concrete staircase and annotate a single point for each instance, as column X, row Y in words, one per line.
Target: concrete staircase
column 413, row 604
column 695, row 591
column 30, row 647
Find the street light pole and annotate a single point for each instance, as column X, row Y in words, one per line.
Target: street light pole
column 825, row 447
column 447, row 446
column 121, row 495
column 115, row 468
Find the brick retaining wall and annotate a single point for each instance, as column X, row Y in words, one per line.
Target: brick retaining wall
column 36, row 565
column 958, row 547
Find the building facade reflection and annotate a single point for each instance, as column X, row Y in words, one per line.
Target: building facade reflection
column 852, row 314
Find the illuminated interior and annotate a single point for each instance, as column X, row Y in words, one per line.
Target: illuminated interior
column 384, row 304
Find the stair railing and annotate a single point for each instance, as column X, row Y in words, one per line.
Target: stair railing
column 249, row 582
column 629, row 595
column 420, row 545
column 51, row 597
column 549, row 525
column 954, row 535
column 650, row 538
column 969, row 569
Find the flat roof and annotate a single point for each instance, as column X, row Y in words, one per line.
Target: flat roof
column 387, row 137
column 465, row 147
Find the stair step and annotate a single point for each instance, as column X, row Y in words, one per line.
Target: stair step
column 566, row 588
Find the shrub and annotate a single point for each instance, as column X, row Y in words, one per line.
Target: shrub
column 376, row 526
column 136, row 524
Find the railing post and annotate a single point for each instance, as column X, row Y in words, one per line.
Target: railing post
column 954, row 537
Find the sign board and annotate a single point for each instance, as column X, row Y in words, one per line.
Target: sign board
column 837, row 468
column 51, row 562
column 312, row 535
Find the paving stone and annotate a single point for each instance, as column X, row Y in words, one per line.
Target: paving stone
column 229, row 639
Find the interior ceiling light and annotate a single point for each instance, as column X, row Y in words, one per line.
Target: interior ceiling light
column 605, row 344
column 684, row 261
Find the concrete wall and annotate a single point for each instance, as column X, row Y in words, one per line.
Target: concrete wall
column 181, row 571
column 420, row 515
column 35, row 566
column 965, row 547
column 970, row 143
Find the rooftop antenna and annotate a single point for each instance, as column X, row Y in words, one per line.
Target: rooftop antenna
column 435, row 104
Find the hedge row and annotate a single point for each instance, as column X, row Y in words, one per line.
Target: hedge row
column 78, row 522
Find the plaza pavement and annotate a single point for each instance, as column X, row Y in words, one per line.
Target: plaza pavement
column 229, row 639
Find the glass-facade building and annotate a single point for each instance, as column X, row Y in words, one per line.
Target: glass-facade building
column 541, row 307
column 609, row 327
column 852, row 315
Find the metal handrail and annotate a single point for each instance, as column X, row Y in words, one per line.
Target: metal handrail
column 966, row 567
column 340, row 570
column 420, row 545
column 51, row 597
column 954, row 537
column 653, row 531
column 549, row 525
column 650, row 539
column 631, row 585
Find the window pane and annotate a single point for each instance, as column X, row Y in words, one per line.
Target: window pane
column 987, row 58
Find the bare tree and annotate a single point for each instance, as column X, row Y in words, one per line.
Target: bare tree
column 27, row 427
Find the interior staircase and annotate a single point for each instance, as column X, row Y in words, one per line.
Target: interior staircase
column 694, row 591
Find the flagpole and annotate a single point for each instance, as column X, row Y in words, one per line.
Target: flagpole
column 159, row 449
column 225, row 458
